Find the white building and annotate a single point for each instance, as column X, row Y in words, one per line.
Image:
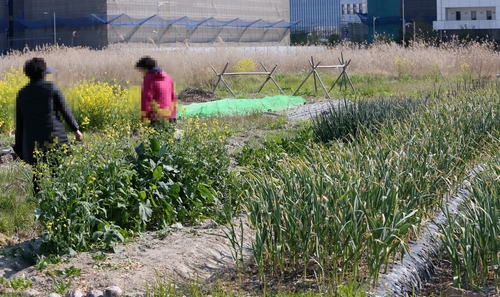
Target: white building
column 350, row 8
column 455, row 15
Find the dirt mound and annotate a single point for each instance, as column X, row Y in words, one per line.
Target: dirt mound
column 191, row 95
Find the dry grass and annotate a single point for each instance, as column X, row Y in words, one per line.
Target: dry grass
column 191, row 65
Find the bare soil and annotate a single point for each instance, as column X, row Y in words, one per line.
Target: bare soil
column 441, row 283
column 198, row 253
column 196, row 95
column 185, row 253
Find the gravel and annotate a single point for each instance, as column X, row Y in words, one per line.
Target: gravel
column 307, row 111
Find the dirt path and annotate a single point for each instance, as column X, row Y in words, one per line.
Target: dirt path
column 185, row 253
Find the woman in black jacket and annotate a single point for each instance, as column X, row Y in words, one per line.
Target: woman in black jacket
column 39, row 106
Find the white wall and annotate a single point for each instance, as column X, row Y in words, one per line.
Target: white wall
column 447, row 11
column 248, row 10
column 349, row 8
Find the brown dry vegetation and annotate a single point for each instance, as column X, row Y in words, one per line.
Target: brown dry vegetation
column 191, row 65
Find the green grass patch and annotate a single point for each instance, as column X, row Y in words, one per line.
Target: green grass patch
column 16, row 203
column 365, row 86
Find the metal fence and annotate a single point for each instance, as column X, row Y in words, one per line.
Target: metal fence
column 85, row 23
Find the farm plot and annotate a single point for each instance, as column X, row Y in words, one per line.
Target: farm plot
column 332, row 203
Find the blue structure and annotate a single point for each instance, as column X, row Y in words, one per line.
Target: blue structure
column 321, row 17
column 124, row 20
column 193, row 29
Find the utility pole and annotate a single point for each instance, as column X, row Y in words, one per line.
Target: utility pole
column 414, row 32
column 404, row 21
column 55, row 31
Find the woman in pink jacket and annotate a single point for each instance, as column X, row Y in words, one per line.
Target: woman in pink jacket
column 158, row 98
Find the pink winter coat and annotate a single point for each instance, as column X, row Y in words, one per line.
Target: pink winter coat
column 158, row 99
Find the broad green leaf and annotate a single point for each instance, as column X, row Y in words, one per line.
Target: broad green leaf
column 97, row 235
column 72, row 252
column 140, row 149
column 157, row 173
column 205, row 193
column 112, row 234
column 155, row 146
column 163, row 151
column 163, row 185
column 145, row 212
column 175, row 189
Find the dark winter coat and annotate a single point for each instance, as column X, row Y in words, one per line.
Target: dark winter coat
column 40, row 108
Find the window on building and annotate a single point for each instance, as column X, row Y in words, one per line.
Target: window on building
column 343, row 9
column 473, row 15
column 488, row 15
column 458, row 16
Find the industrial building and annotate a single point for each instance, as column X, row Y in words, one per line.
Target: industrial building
column 394, row 18
column 317, row 17
column 98, row 23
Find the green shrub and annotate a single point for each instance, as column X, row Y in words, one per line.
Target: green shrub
column 107, row 189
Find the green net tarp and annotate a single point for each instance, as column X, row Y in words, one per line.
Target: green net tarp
column 230, row 107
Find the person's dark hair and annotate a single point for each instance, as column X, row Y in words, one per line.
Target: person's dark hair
column 146, row 62
column 35, row 68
